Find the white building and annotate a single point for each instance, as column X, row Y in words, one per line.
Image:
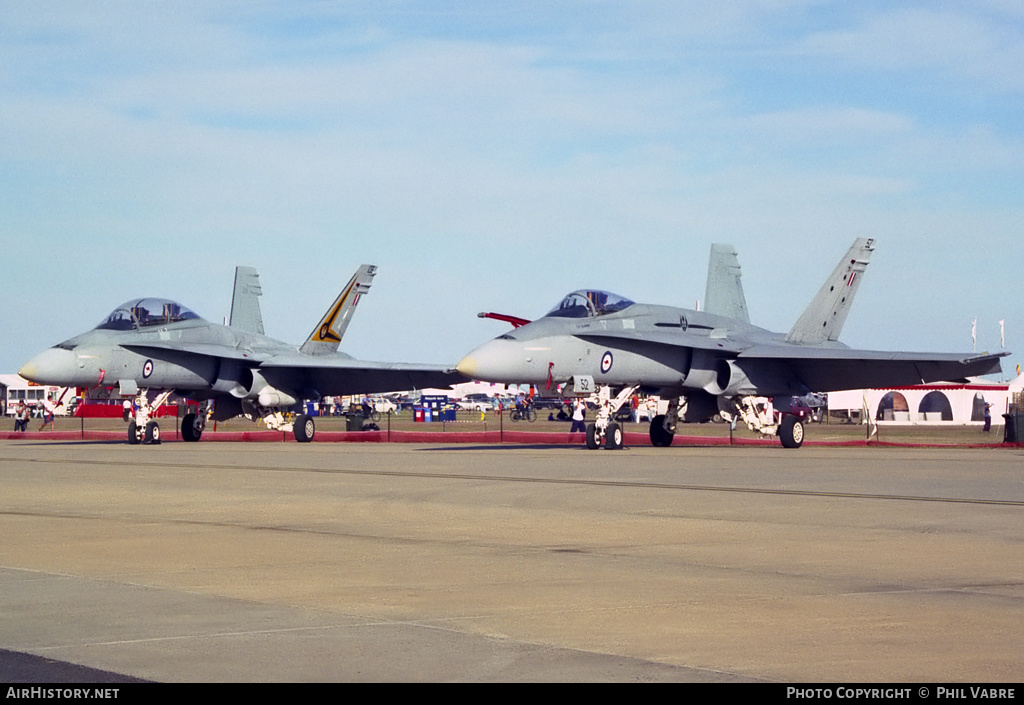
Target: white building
column 943, row 402
column 16, row 388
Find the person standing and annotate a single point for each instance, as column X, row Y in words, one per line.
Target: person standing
column 652, row 408
column 578, row 415
column 21, row 416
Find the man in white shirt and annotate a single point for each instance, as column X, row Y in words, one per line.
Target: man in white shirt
column 578, row 414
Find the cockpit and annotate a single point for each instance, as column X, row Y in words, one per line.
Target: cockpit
column 142, row 313
column 587, row 303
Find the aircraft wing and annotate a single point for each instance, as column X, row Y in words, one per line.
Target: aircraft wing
column 833, row 369
column 338, row 376
column 822, row 369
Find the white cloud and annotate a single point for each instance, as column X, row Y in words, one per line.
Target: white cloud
column 961, row 45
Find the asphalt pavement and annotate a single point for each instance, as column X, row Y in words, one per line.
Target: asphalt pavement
column 234, row 562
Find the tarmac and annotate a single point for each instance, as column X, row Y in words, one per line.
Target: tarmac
column 235, row 562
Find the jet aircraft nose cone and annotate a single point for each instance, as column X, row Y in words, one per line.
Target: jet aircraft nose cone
column 467, row 366
column 505, row 361
column 51, row 366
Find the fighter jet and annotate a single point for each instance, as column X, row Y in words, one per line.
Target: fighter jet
column 154, row 346
column 706, row 362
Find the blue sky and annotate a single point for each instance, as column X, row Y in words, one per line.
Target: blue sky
column 494, row 156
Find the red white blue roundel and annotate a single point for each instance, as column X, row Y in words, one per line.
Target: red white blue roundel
column 147, row 369
column 606, row 362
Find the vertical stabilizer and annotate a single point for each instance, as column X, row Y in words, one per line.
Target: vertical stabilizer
column 723, row 295
column 824, row 317
column 328, row 333
column 245, row 301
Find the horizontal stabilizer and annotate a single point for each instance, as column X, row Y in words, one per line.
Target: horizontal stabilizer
column 824, row 318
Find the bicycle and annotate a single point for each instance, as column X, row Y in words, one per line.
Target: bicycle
column 527, row 413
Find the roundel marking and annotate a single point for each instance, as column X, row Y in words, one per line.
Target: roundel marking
column 147, row 369
column 606, row 362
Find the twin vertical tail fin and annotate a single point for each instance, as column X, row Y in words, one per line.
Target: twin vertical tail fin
column 824, row 318
column 328, row 333
column 245, row 301
column 723, row 295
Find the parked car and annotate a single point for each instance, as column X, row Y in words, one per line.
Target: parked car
column 384, row 405
column 810, row 408
column 476, row 402
column 549, row 402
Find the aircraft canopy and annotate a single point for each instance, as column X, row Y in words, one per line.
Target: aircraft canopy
column 589, row 302
column 141, row 313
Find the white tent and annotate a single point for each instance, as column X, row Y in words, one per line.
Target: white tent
column 943, row 402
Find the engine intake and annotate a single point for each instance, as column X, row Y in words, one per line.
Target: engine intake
column 252, row 385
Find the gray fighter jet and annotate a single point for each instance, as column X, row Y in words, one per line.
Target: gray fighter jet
column 159, row 346
column 706, row 362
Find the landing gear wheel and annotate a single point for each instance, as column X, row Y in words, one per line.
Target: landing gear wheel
column 592, row 441
column 613, row 437
column 133, row 434
column 305, row 428
column 791, row 432
column 152, row 433
column 189, row 431
column 660, row 438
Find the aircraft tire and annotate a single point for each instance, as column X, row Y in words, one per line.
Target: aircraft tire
column 791, row 432
column 660, row 438
column 133, row 433
column 592, row 442
column 305, row 428
column 613, row 436
column 189, row 432
column 152, row 433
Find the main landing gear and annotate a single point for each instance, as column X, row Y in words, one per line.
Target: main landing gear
column 275, row 419
column 193, row 424
column 758, row 414
column 791, row 431
column 663, row 426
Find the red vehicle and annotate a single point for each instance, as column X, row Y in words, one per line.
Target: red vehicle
column 807, row 408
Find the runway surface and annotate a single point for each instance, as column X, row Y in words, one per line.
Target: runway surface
column 351, row 562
